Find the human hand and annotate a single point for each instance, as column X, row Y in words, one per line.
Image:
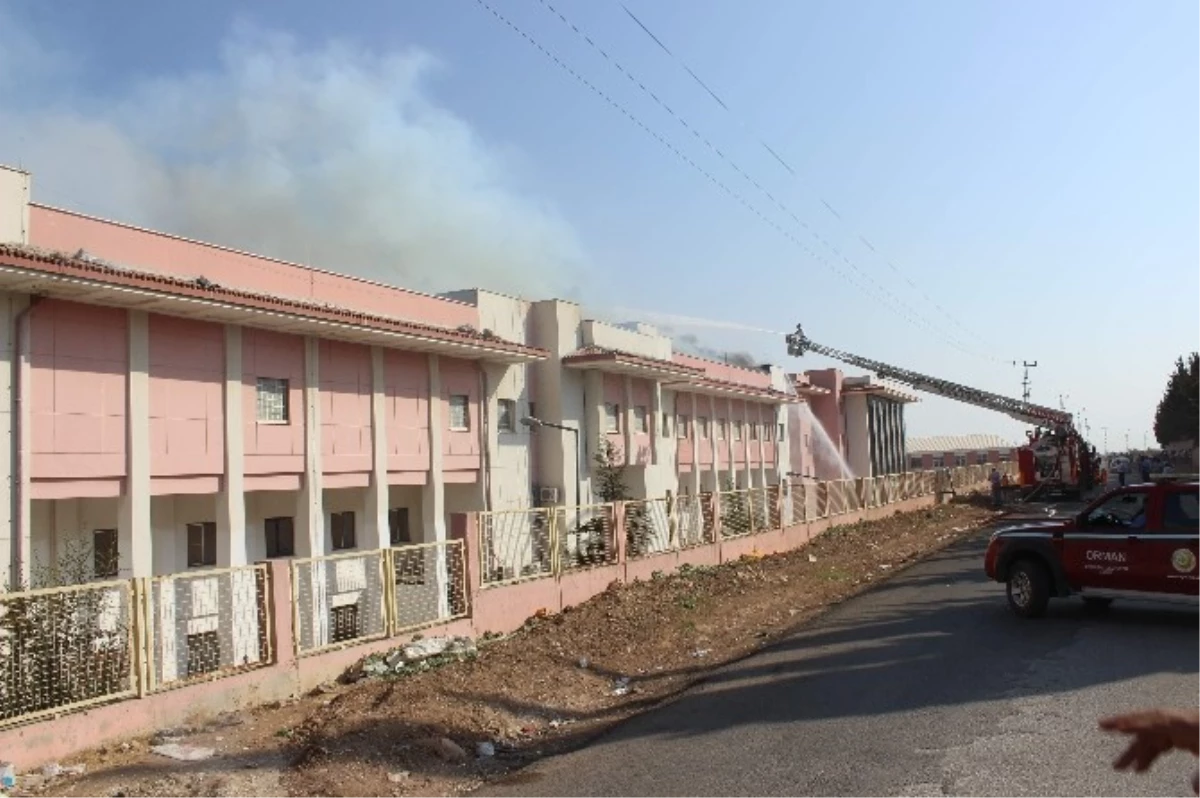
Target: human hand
column 1156, row 732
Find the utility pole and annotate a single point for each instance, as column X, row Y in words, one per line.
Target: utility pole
column 1025, row 381
column 1105, row 439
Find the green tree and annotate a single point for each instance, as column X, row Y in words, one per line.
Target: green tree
column 1178, row 415
column 608, row 475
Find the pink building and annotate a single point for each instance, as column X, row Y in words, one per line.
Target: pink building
column 176, row 405
column 951, row 451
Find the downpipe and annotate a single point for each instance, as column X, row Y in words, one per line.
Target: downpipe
column 17, row 491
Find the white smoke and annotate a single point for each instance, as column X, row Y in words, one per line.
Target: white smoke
column 331, row 157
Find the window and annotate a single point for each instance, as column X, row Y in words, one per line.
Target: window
column 281, row 537
column 1124, row 511
column 666, row 424
column 681, row 426
column 768, row 431
column 782, row 433
column 807, row 442
column 960, row 460
column 341, row 528
column 641, row 421
column 272, row 400
column 533, row 409
column 460, row 415
column 612, row 417
column 702, row 426
column 105, row 559
column 753, row 430
column 939, row 461
column 914, row 462
column 201, row 544
column 203, row 653
column 506, row 416
column 737, row 430
column 1180, row 512
column 399, row 533
column 982, row 457
column 719, row 429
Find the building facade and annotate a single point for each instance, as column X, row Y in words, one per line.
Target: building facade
column 174, row 405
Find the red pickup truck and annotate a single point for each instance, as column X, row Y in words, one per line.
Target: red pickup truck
column 1139, row 541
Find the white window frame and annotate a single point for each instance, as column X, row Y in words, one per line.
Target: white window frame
column 506, row 407
column 465, row 401
column 266, row 389
column 612, row 418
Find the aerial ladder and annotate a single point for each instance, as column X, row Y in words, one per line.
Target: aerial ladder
column 1056, row 456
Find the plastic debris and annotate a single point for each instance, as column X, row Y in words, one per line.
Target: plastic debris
column 183, row 753
column 485, row 749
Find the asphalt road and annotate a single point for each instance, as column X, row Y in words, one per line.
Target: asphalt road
column 925, row 686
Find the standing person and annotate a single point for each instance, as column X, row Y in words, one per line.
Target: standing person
column 1147, row 464
column 994, row 477
column 1122, row 470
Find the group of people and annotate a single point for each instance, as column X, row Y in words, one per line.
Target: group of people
column 1146, row 465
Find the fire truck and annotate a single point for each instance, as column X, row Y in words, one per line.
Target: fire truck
column 1055, row 460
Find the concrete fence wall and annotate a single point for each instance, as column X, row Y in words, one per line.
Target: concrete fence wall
column 489, row 607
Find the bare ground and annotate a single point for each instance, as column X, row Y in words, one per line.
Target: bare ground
column 553, row 685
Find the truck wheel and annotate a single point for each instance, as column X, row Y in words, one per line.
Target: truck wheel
column 1028, row 588
column 1097, row 603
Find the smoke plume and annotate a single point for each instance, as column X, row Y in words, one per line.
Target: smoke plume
column 691, row 344
column 331, row 157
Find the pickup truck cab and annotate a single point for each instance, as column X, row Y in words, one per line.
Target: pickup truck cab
column 1139, row 541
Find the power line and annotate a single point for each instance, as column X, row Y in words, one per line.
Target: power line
column 728, row 161
column 899, row 310
column 862, row 238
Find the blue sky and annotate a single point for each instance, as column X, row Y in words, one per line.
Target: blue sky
column 1032, row 168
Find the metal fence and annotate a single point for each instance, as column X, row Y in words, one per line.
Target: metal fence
column 66, row 647
column 338, row 599
column 586, row 536
column 207, row 624
column 737, row 511
column 694, row 521
column 516, row 545
column 428, row 584
column 648, row 527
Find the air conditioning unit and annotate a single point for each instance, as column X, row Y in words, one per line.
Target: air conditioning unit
column 547, row 497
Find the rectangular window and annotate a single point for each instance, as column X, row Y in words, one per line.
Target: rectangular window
column 533, row 410
column 506, row 415
column 202, row 544
column 641, row 421
column 105, row 559
column 1181, row 512
column 272, row 400
column 737, row 430
column 460, row 412
column 399, row 533
column 666, row 424
column 781, row 433
column 702, row 426
column 753, row 431
column 939, row 461
column 960, row 460
column 719, row 429
column 682, row 426
column 341, row 528
column 612, row 417
column 280, row 534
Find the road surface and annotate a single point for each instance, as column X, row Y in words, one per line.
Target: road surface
column 924, row 686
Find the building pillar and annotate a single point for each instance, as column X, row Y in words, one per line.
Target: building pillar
column 433, row 493
column 713, row 441
column 746, row 465
column 377, row 535
column 310, row 501
column 762, row 443
column 694, row 434
column 630, row 456
column 134, row 538
column 231, row 501
column 310, row 512
column 655, row 422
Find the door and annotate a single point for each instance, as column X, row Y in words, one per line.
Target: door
column 1099, row 554
column 1166, row 559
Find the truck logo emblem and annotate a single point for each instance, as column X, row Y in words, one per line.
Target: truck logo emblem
column 1183, row 561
